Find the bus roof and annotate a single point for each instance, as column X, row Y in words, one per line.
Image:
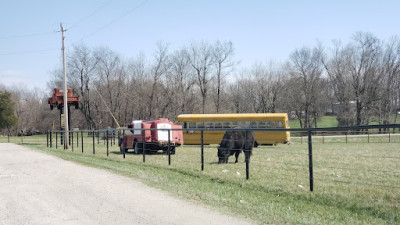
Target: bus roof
column 232, row 117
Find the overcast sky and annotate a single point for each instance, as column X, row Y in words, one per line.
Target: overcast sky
column 30, row 46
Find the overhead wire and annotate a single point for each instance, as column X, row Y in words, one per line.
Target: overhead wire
column 115, row 20
column 72, row 26
column 90, row 15
column 27, row 35
column 29, row 52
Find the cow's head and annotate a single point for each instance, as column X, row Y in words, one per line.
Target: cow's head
column 223, row 154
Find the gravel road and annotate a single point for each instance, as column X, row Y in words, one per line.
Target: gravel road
column 36, row 188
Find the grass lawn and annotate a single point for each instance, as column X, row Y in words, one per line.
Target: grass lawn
column 325, row 121
column 354, row 183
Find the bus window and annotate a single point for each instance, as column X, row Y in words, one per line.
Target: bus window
column 253, row 124
column 184, row 125
column 234, row 124
column 192, row 125
column 209, row 125
column 280, row 125
column 218, row 125
column 262, row 124
column 244, row 124
column 271, row 124
column 200, row 125
column 226, row 125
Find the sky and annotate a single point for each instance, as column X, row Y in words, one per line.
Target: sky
column 261, row 31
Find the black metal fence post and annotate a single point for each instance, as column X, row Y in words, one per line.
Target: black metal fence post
column 144, row 147
column 112, row 137
column 8, row 135
column 63, row 138
column 56, row 139
column 247, row 156
column 51, row 139
column 82, row 140
column 107, row 141
column 98, row 137
column 169, row 147
column 310, row 163
column 94, row 148
column 123, row 149
column 47, row 138
column 77, row 139
column 202, row 150
column 72, row 140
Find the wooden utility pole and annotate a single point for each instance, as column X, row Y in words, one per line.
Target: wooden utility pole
column 66, row 127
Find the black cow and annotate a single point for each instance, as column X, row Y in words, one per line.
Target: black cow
column 234, row 142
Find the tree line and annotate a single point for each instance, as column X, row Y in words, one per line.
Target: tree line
column 358, row 81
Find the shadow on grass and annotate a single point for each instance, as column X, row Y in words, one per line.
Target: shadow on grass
column 133, row 153
column 30, row 144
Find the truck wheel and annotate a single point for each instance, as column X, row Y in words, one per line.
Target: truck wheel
column 138, row 148
column 172, row 150
column 122, row 149
column 165, row 150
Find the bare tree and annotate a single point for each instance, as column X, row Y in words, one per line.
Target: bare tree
column 305, row 69
column 137, row 89
column 158, row 70
column 338, row 67
column 111, row 79
column 364, row 71
column 390, row 75
column 81, row 70
column 201, row 59
column 223, row 58
column 182, row 80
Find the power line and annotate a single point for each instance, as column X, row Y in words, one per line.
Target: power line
column 29, row 52
column 116, row 19
column 90, row 15
column 75, row 24
column 27, row 35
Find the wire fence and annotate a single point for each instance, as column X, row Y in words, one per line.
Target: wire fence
column 353, row 156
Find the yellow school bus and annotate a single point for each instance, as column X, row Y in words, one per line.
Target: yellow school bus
column 251, row 120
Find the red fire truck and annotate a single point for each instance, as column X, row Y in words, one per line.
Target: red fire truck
column 154, row 135
column 57, row 100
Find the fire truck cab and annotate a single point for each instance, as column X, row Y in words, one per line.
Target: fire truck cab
column 57, row 100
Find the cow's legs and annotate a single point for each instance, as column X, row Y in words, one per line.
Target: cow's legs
column 237, row 156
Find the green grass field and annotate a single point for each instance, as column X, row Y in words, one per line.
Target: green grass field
column 354, row 182
column 325, row 121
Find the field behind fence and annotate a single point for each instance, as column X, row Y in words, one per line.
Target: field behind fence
column 353, row 169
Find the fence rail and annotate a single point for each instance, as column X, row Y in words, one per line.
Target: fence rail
column 322, row 162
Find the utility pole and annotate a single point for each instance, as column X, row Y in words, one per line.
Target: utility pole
column 66, row 127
